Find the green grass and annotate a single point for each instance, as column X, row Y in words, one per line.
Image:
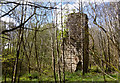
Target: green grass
column 77, row 76
column 47, row 75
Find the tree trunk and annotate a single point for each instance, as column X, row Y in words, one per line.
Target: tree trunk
column 20, row 69
column 36, row 51
column 12, row 73
column 53, row 59
column 5, row 75
column 63, row 63
column 109, row 54
column 16, row 67
column 85, row 50
column 119, row 39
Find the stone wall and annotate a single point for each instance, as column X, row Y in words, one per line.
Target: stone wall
column 77, row 24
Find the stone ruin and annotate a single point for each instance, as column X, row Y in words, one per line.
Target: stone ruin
column 77, row 42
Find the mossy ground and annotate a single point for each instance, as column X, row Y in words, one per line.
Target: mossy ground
column 47, row 75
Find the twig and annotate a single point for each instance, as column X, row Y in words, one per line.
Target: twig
column 9, row 11
column 38, row 29
column 104, row 72
column 5, row 37
column 3, row 32
column 103, row 29
column 29, row 4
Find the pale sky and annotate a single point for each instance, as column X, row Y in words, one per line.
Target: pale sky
column 8, row 19
column 67, row 0
column 69, row 9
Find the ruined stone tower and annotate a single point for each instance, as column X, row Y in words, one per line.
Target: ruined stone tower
column 77, row 42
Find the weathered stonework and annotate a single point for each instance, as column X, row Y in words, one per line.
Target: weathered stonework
column 77, row 42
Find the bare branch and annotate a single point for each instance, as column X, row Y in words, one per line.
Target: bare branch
column 9, row 11
column 5, row 37
column 99, row 25
column 38, row 29
column 29, row 4
column 3, row 32
column 103, row 28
